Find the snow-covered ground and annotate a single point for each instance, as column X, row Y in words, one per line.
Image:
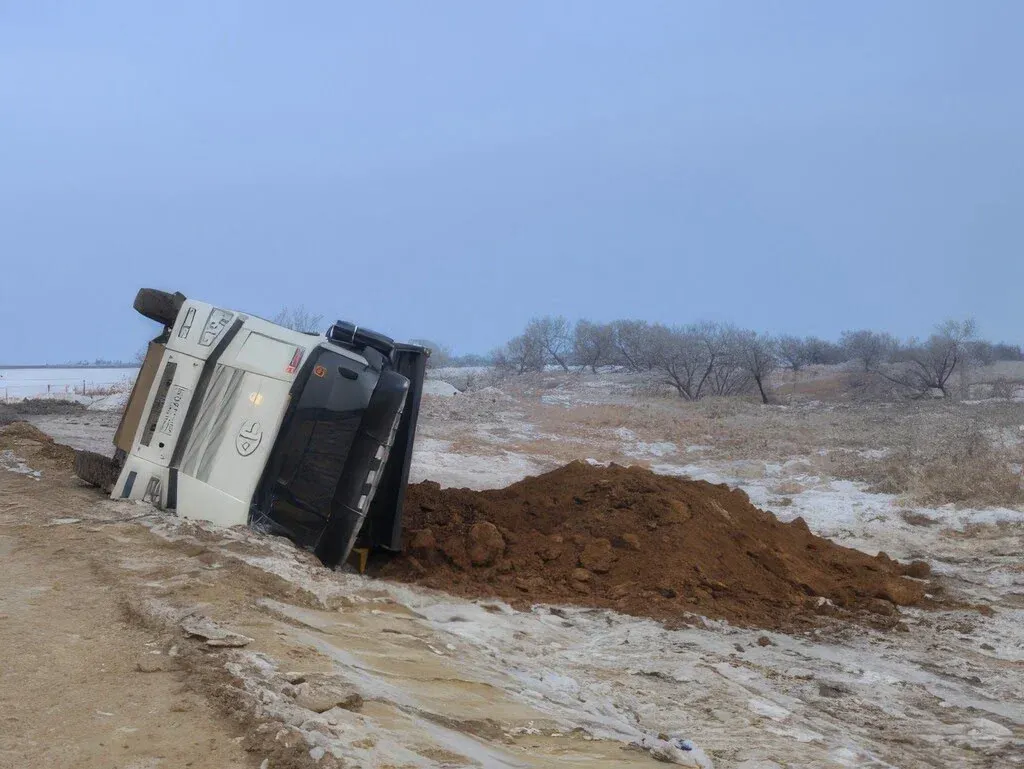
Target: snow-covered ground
column 944, row 689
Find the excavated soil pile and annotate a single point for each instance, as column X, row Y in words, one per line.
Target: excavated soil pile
column 641, row 543
column 17, row 435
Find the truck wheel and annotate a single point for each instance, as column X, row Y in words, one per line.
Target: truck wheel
column 157, row 305
column 96, row 469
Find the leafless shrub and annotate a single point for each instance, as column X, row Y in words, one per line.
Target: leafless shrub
column 866, row 386
column 633, row 343
column 793, row 352
column 1006, row 388
column 868, row 349
column 593, row 344
column 757, row 355
column 300, row 319
column 920, row 367
column 701, row 359
column 522, row 353
column 551, row 334
column 823, row 352
column 986, row 353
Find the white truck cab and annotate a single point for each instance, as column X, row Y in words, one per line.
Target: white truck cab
column 237, row 420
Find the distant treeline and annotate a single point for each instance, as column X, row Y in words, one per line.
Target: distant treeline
column 702, row 359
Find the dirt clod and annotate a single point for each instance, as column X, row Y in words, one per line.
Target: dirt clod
column 710, row 551
column 485, row 543
column 918, row 569
column 321, row 697
column 597, row 556
column 423, row 540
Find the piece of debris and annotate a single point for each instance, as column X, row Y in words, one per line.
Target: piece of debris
column 320, row 696
column 674, row 750
column 832, row 690
column 203, row 627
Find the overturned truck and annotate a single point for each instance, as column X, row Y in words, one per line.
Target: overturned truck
column 237, row 420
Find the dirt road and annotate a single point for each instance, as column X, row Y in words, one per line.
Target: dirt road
column 80, row 685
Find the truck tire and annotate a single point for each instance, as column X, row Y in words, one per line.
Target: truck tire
column 96, row 469
column 158, row 305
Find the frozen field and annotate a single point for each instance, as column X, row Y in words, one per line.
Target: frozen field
column 20, row 383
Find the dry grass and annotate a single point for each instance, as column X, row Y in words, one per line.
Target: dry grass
column 937, row 453
column 930, row 452
column 957, row 461
column 962, row 469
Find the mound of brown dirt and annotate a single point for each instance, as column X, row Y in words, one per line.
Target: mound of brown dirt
column 641, row 543
column 22, row 435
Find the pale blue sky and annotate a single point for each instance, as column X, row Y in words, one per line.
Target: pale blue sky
column 449, row 169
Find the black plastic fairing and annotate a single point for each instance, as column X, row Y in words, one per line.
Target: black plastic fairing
column 383, row 527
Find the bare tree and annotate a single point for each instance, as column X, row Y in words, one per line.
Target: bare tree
column 522, row 353
column 925, row 366
column 728, row 377
column 868, row 348
column 679, row 355
column 300, row 319
column 699, row 359
column 758, row 356
column 793, row 352
column 593, row 344
column 634, row 342
column 986, row 353
column 552, row 334
column 824, row 352
column 686, row 356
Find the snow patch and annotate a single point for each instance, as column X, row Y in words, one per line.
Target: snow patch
column 14, row 464
column 439, row 387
